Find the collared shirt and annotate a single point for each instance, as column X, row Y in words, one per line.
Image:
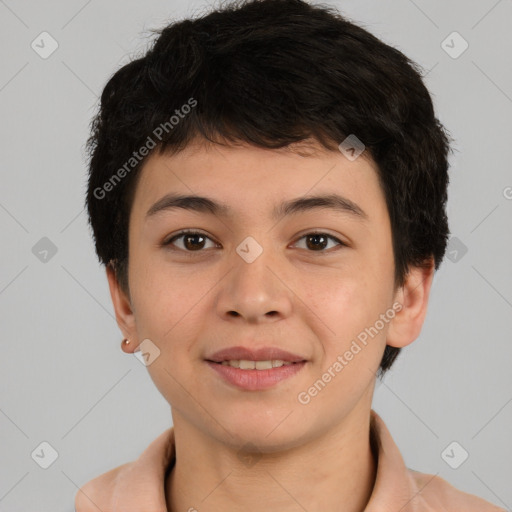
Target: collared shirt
column 139, row 486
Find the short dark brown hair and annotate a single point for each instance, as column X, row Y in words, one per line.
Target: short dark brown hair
column 271, row 73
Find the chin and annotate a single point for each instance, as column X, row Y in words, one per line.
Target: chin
column 269, row 434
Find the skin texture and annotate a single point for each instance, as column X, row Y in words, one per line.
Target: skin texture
column 307, row 300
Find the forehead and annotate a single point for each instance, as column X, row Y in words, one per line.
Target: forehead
column 243, row 176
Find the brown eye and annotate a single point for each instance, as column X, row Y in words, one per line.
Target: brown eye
column 317, row 242
column 192, row 241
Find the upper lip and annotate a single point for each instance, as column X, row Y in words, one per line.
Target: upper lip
column 261, row 354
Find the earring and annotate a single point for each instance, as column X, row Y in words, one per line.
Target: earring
column 125, row 345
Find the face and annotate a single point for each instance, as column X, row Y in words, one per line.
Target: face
column 307, row 279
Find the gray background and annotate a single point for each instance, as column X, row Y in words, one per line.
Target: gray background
column 64, row 378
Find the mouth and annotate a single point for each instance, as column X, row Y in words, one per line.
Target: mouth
column 246, row 355
column 246, row 364
column 255, row 375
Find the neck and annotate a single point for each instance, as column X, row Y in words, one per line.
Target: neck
column 339, row 466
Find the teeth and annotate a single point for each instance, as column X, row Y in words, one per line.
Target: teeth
column 263, row 365
column 244, row 364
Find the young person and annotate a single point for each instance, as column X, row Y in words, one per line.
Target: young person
column 267, row 192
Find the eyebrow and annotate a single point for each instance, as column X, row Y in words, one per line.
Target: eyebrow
column 202, row 204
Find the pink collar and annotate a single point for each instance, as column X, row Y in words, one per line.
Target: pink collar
column 139, row 486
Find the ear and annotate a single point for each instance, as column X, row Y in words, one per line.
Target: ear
column 123, row 310
column 413, row 297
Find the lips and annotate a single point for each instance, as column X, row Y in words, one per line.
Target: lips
column 256, row 380
column 262, row 354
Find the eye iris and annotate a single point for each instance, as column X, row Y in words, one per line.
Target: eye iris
column 188, row 237
column 316, row 238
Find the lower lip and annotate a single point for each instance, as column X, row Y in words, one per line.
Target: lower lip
column 255, row 380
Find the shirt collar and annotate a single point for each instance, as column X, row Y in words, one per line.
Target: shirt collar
column 140, row 485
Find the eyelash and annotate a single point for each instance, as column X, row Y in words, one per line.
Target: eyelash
column 181, row 234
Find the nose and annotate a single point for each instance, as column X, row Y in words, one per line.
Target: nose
column 255, row 291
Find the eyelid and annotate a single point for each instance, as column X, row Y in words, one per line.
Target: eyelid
column 168, row 241
column 325, row 252
column 321, row 232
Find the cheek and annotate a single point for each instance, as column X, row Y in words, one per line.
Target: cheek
column 352, row 354
column 346, row 309
column 165, row 309
column 162, row 302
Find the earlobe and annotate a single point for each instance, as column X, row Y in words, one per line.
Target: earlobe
column 123, row 309
column 413, row 297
